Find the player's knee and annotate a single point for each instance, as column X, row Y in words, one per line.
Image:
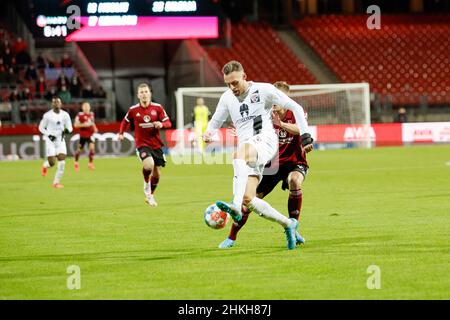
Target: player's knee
column 295, row 181
column 51, row 162
column 61, row 157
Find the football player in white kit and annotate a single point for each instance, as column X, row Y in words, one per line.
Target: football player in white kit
column 53, row 126
column 249, row 104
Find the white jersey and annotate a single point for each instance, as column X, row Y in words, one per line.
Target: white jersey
column 251, row 113
column 53, row 123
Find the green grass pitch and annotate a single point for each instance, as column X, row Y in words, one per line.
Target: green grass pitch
column 388, row 207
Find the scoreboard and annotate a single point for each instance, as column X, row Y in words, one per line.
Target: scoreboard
column 101, row 20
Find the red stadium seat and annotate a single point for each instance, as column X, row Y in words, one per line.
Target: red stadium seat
column 250, row 43
column 408, row 52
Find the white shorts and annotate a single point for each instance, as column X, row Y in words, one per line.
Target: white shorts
column 52, row 149
column 266, row 146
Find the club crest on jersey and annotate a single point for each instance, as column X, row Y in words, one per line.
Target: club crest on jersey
column 153, row 113
column 255, row 97
column 243, row 109
column 138, row 114
column 147, row 118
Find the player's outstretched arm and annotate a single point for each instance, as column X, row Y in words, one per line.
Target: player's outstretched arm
column 281, row 99
column 218, row 118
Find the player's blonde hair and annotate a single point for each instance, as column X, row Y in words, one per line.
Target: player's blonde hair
column 144, row 85
column 232, row 66
column 282, row 85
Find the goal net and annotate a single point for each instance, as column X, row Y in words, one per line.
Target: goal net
column 328, row 106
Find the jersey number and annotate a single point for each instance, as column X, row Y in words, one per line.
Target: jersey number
column 257, row 125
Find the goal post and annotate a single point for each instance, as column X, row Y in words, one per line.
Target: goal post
column 326, row 105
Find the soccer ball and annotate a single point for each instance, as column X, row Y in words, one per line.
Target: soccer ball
column 216, row 218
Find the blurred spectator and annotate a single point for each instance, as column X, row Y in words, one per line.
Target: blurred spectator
column 50, row 94
column 19, row 46
column 41, row 87
column 87, row 92
column 66, row 61
column 23, row 59
column 7, row 57
column 401, row 116
column 25, row 94
column 2, row 66
column 75, row 86
column 31, row 73
column 50, row 63
column 101, row 93
column 5, row 44
column 21, row 53
column 40, row 61
column 11, row 76
column 64, row 94
column 62, row 81
column 14, row 96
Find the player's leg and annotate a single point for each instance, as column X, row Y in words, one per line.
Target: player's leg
column 60, row 170
column 91, row 154
column 154, row 180
column 265, row 187
column 147, row 167
column 265, row 210
column 246, row 154
column 295, row 180
column 50, row 152
column 50, row 162
column 77, row 153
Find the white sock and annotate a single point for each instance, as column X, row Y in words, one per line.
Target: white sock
column 46, row 164
column 265, row 210
column 239, row 181
column 59, row 171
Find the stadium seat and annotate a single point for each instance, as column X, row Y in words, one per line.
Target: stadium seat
column 250, row 43
column 410, row 55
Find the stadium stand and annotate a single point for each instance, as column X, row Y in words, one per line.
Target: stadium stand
column 264, row 55
column 27, row 83
column 407, row 60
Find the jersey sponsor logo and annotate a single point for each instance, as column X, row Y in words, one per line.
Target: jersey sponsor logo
column 146, row 125
column 147, row 118
column 254, row 98
column 243, row 110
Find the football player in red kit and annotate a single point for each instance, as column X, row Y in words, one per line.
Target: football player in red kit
column 292, row 167
column 85, row 123
column 148, row 117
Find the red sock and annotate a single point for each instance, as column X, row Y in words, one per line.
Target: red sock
column 295, row 203
column 91, row 155
column 238, row 225
column 77, row 156
column 146, row 174
column 154, row 183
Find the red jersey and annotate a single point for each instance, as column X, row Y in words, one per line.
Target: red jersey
column 145, row 132
column 290, row 149
column 83, row 118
